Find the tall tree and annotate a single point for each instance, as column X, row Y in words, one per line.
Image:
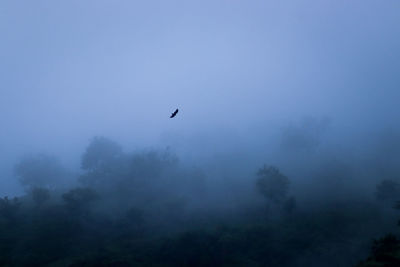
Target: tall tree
column 272, row 184
column 100, row 151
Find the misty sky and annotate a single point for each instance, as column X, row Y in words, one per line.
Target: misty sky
column 71, row 70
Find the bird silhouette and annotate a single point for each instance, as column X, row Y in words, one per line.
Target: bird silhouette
column 174, row 114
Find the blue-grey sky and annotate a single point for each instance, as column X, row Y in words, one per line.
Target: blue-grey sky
column 236, row 69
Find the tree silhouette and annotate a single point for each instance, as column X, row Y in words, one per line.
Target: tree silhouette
column 79, row 199
column 40, row 195
column 388, row 190
column 272, row 184
column 100, row 152
column 8, row 210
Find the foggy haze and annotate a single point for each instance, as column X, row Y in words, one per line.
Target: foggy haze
column 311, row 87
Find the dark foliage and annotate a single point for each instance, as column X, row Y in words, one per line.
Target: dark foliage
column 385, row 252
column 146, row 209
column 40, row 195
column 272, row 184
column 79, row 198
column 9, row 209
column 388, row 190
column 100, row 152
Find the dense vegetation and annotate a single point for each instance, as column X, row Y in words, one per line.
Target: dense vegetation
column 148, row 209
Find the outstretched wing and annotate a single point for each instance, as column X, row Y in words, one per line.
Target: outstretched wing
column 174, row 114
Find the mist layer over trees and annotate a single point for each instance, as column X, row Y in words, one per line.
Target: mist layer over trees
column 285, row 150
column 151, row 208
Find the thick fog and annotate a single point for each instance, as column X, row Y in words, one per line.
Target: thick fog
column 309, row 87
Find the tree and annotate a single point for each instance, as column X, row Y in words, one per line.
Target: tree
column 388, row 190
column 40, row 195
column 289, row 206
column 272, row 184
column 100, row 151
column 9, row 209
column 79, row 199
column 40, row 171
column 384, row 252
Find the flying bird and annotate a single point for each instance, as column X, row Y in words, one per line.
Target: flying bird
column 174, row 114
